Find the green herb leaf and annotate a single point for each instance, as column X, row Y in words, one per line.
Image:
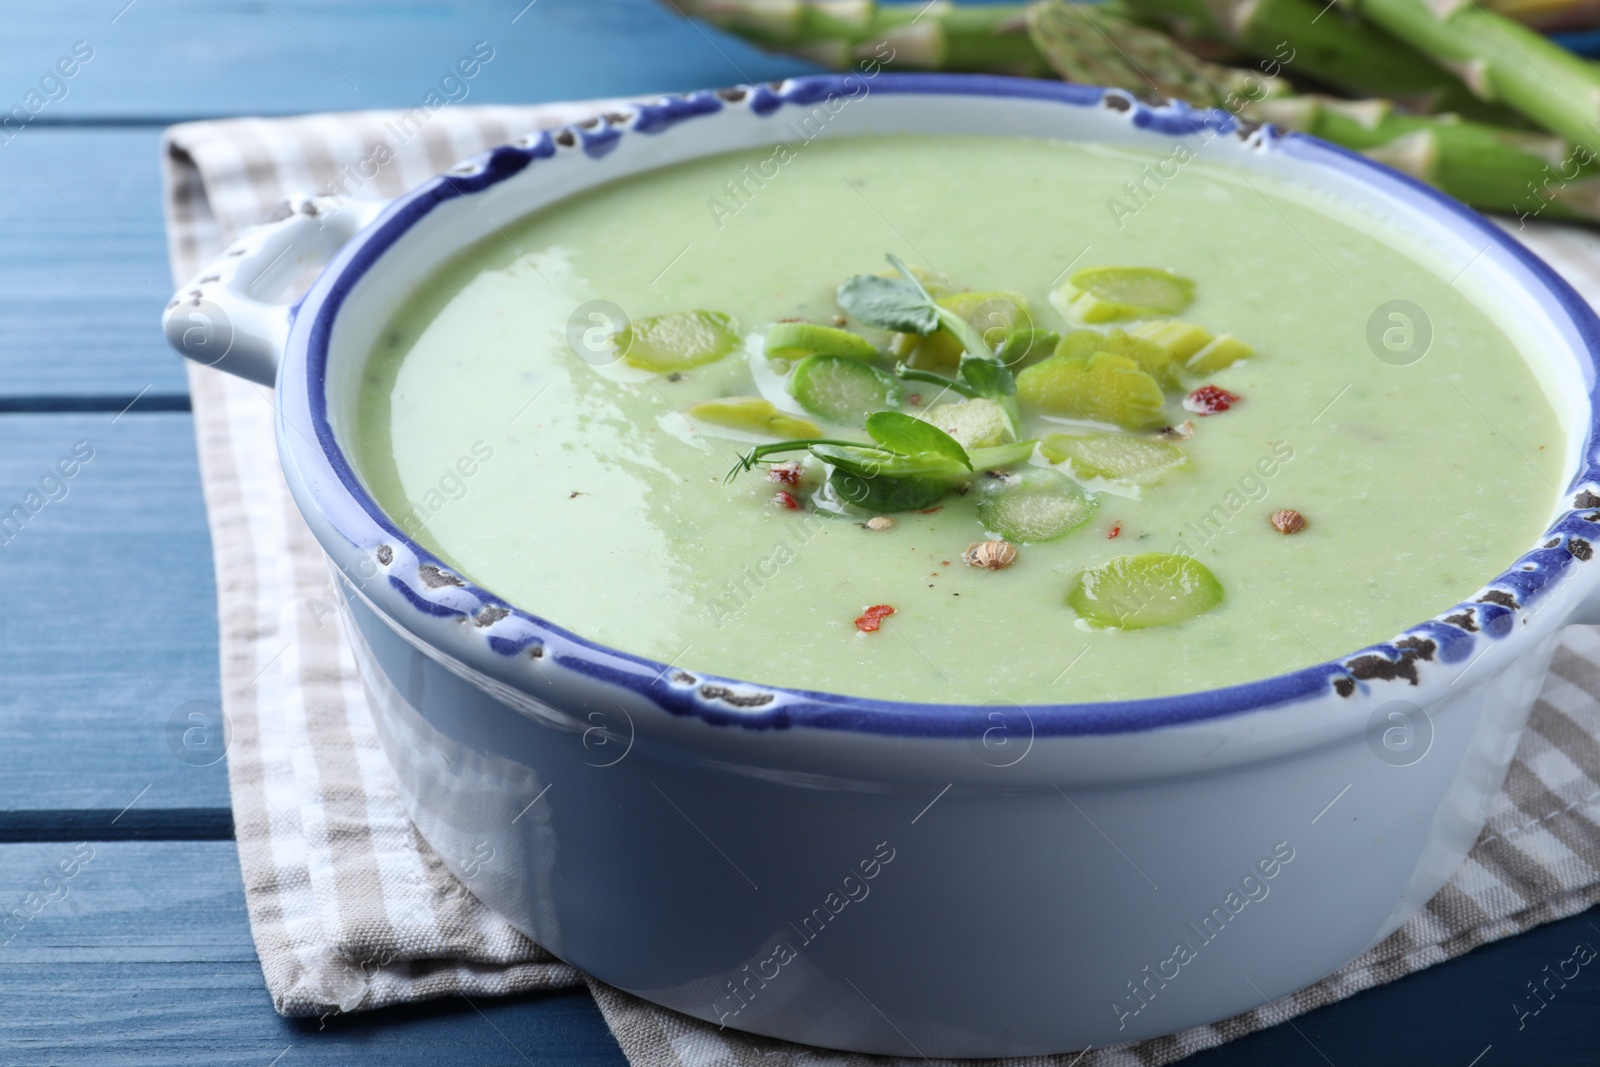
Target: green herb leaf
column 1027, row 345
column 963, row 331
column 887, row 494
column 870, row 462
column 909, row 275
column 908, row 373
column 902, row 305
column 913, row 437
column 989, row 377
column 993, row 380
column 953, row 322
column 749, row 460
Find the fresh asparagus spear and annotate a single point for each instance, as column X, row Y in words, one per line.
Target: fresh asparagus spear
column 1493, row 168
column 1094, row 45
column 1305, row 37
column 1515, row 172
column 1489, row 167
column 1500, row 60
column 838, row 33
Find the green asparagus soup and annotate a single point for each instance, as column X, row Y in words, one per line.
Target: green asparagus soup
column 959, row 419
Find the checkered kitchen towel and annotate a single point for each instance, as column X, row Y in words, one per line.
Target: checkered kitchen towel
column 352, row 910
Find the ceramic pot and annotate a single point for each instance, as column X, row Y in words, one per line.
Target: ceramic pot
column 915, row 879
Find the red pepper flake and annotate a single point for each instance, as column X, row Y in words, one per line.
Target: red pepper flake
column 1116, row 531
column 1209, row 400
column 915, row 400
column 873, row 617
column 785, row 473
column 930, row 511
column 783, row 499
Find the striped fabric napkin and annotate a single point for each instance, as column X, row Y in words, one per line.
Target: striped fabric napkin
column 350, row 908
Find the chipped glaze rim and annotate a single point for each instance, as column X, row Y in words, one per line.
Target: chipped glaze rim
column 424, row 586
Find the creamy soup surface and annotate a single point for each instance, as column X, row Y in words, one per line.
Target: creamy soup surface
column 580, row 490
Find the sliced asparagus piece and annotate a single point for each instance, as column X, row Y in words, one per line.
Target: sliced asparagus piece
column 1149, row 589
column 1040, row 505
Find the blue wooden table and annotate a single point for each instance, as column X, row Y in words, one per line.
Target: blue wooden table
column 145, row 955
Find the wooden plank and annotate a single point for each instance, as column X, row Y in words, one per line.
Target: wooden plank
column 83, row 267
column 145, row 956
column 1453, row 1013
column 174, row 59
column 83, row 262
column 106, row 403
column 112, row 627
column 133, row 824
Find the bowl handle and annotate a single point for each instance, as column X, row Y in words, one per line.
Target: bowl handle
column 235, row 314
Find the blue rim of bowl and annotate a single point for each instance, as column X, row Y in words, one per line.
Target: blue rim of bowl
column 430, row 587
